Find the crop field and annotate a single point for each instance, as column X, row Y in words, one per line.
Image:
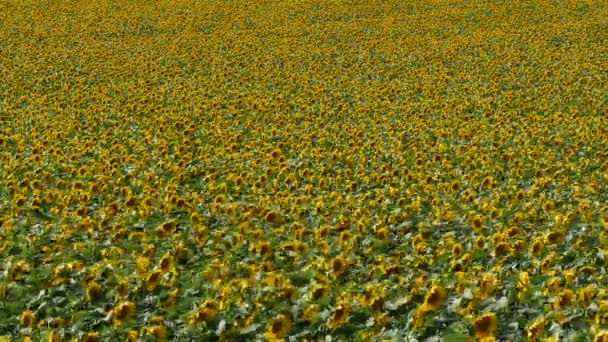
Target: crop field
column 303, row 170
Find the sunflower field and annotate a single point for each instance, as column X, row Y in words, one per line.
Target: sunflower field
column 303, row 170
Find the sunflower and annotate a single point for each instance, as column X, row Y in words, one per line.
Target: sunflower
column 338, row 316
column 159, row 332
column 27, row 319
column 485, row 326
column 564, row 298
column 523, row 282
column 321, row 232
column 278, row 328
column 122, row 312
column 166, row 228
column 434, row 298
column 601, row 336
column 264, row 248
column 601, row 317
column 537, row 247
column 457, row 250
column 309, row 313
column 53, row 336
column 153, row 279
column 554, row 237
column 487, row 285
column 476, row 222
column 272, row 217
column 586, row 295
column 338, row 266
column 131, row 336
column 166, row 263
column 206, row 312
column 318, row 292
column 93, row 291
column 501, row 249
column 90, row 337
column 536, row 330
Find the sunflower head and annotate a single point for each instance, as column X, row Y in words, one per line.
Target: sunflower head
column 27, row 319
column 434, row 298
column 338, row 265
column 338, row 316
column 278, row 328
column 601, row 336
column 93, row 291
column 90, row 337
column 554, row 237
column 122, row 312
column 536, row 330
column 485, row 326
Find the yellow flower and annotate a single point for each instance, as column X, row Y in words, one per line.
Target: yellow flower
column 318, row 292
column 480, row 242
column 537, row 247
column 166, row 228
column 554, row 237
column 601, row 336
column 272, row 217
column 434, row 298
column 501, row 249
column 476, row 222
column 93, row 291
column 205, row 313
column 53, row 336
column 536, row 330
column 166, row 263
column 564, row 298
column 487, row 285
column 338, row 316
column 264, row 248
column 153, row 279
column 27, row 318
column 485, row 326
column 122, row 312
column 90, row 337
column 338, row 266
column 586, row 295
column 309, row 313
column 159, row 332
column 523, row 283
column 131, row 336
column 278, row 328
